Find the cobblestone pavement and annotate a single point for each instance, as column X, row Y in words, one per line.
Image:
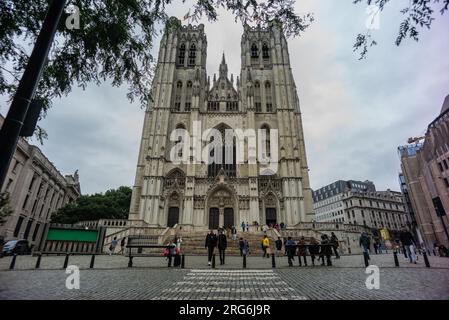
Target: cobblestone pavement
column 346, row 280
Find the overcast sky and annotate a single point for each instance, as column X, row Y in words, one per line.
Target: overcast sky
column 355, row 113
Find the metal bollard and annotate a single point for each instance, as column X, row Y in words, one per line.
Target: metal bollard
column 396, row 260
column 38, row 262
column 92, row 261
column 213, row 261
column 273, row 261
column 66, row 260
column 426, row 260
column 130, row 262
column 244, row 261
column 13, row 261
column 183, row 261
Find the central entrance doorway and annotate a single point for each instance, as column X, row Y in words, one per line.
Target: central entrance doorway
column 228, row 217
column 271, row 216
column 173, row 216
column 214, row 218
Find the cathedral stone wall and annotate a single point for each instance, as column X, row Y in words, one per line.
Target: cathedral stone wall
column 262, row 97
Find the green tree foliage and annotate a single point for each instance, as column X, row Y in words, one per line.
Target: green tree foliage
column 113, row 43
column 418, row 14
column 113, row 204
column 5, row 209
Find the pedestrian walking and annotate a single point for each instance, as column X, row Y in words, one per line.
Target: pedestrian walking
column 314, row 249
column 222, row 244
column 243, row 226
column 302, row 251
column 245, row 247
column 178, row 243
column 170, row 252
column 326, row 250
column 211, row 243
column 247, row 227
column 122, row 246
column 112, row 246
column 335, row 244
column 241, row 246
column 265, row 246
column 408, row 242
column 376, row 247
column 291, row 250
column 234, row 233
column 278, row 245
column 365, row 243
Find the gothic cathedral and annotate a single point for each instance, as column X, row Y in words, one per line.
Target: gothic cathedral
column 210, row 195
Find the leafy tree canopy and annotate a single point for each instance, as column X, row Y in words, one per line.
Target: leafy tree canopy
column 113, row 204
column 417, row 15
column 113, row 42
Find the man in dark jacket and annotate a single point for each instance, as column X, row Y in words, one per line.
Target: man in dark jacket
column 241, row 246
column 365, row 243
column 408, row 243
column 211, row 243
column 290, row 246
column 278, row 244
column 335, row 244
column 222, row 245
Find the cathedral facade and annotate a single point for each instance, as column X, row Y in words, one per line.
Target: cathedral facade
column 204, row 194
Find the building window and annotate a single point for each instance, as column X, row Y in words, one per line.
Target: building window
column 36, row 230
column 178, row 92
column 254, row 51
column 16, row 166
column 25, row 202
column 267, row 140
column 182, row 54
column 27, row 229
column 8, row 185
column 445, row 164
column 257, row 97
column 188, row 104
column 213, row 106
column 268, row 97
column 192, row 55
column 265, row 51
column 446, row 182
column 232, row 106
column 18, row 227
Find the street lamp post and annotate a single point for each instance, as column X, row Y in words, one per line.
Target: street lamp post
column 10, row 131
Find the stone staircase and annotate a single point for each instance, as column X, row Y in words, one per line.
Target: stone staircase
column 193, row 243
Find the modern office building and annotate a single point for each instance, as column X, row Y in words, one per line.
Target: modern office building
column 359, row 203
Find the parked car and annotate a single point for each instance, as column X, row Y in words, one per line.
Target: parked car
column 16, row 247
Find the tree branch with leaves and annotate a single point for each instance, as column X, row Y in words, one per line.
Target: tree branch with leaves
column 113, row 43
column 417, row 15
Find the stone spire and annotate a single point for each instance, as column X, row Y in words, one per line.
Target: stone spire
column 223, row 68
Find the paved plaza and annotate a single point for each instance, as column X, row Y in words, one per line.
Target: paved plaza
column 151, row 279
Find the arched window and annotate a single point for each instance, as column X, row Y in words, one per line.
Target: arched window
column 268, row 97
column 267, row 140
column 228, row 156
column 178, row 93
column 179, row 126
column 254, row 51
column 188, row 103
column 265, row 51
column 192, row 55
column 182, row 54
column 257, row 97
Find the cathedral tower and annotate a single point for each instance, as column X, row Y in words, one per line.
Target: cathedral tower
column 209, row 195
